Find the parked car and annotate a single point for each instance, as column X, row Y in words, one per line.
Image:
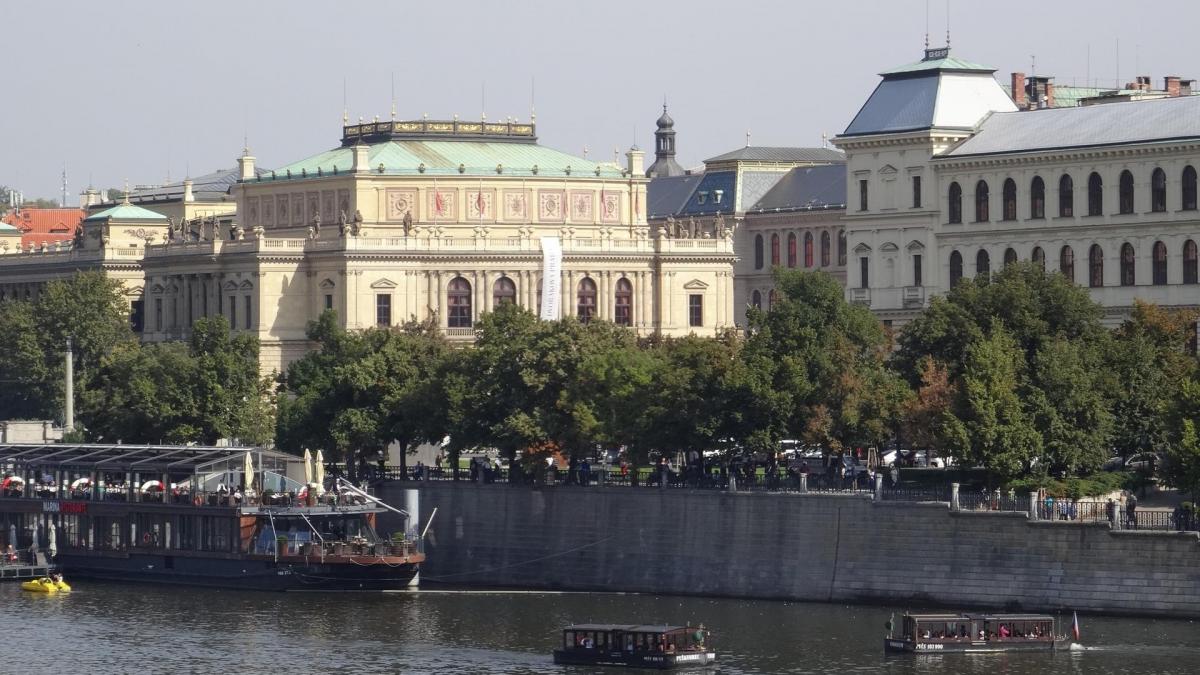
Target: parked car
column 1144, row 462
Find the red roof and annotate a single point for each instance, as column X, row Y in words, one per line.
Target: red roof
column 45, row 225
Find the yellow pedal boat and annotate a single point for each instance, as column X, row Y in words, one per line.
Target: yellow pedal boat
column 45, row 585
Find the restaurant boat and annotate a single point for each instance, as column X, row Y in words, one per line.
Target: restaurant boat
column 206, row 516
column 972, row 633
column 656, row 647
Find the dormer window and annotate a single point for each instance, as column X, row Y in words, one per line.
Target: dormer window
column 702, row 196
column 717, row 195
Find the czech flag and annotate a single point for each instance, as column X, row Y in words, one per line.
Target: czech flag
column 1075, row 625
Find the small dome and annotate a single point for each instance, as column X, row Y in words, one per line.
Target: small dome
column 665, row 122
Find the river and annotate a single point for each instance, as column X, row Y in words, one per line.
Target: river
column 123, row 628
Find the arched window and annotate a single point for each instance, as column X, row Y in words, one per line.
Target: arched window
column 1095, row 266
column 808, row 249
column 955, row 268
column 504, row 290
column 955, row 203
column 1010, row 257
column 1066, row 263
column 1037, row 198
column 1010, row 199
column 1127, row 265
column 758, row 252
column 1160, row 264
column 842, row 248
column 825, row 249
column 775, row 249
column 586, row 300
column 983, row 264
column 791, row 260
column 1188, row 190
column 771, row 298
column 624, row 303
column 458, row 303
column 1066, row 197
column 1158, row 190
column 1189, row 262
column 1095, row 195
column 981, row 201
column 1125, row 192
column 756, row 299
column 1038, row 257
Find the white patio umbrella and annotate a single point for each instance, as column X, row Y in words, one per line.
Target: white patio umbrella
column 319, row 473
column 79, row 482
column 308, row 471
column 248, row 469
column 152, row 485
column 53, row 535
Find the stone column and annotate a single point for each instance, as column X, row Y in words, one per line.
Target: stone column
column 803, row 482
column 954, row 497
column 1033, row 505
column 878, row 486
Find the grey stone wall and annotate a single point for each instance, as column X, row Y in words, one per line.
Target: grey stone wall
column 797, row 547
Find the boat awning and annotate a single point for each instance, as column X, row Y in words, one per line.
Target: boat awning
column 146, row 459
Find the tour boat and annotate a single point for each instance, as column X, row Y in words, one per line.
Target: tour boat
column 971, row 633
column 184, row 515
column 655, row 647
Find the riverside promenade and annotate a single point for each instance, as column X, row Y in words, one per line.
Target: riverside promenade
column 854, row 545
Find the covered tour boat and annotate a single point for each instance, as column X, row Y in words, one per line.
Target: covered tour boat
column 208, row 516
column 941, row 633
column 657, row 647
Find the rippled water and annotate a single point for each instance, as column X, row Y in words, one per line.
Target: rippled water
column 116, row 628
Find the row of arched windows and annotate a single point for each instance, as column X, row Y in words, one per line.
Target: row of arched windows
column 793, row 256
column 459, row 300
column 1066, row 196
column 756, row 299
column 1095, row 269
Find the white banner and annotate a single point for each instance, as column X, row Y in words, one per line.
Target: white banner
column 551, row 278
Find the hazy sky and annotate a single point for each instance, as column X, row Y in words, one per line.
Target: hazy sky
column 143, row 90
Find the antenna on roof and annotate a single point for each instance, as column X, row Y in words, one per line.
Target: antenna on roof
column 947, row 24
column 747, row 138
column 345, row 110
column 532, row 112
column 64, row 185
column 393, row 95
column 1033, row 64
column 483, row 101
column 926, row 24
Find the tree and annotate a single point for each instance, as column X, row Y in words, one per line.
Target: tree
column 197, row 392
column 989, row 427
column 925, row 415
column 1068, row 408
column 88, row 307
column 1183, row 452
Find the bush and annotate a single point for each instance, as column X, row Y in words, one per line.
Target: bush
column 1093, row 485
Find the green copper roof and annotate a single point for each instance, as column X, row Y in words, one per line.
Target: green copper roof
column 125, row 212
column 948, row 63
column 8, row 229
column 442, row 158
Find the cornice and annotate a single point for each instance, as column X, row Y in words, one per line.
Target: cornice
column 1067, row 156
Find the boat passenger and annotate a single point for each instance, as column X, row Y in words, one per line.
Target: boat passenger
column 1004, row 630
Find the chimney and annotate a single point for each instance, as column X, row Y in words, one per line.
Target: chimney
column 361, row 161
column 1049, row 94
column 187, row 190
column 1018, row 90
column 246, row 164
column 636, row 160
column 1171, row 85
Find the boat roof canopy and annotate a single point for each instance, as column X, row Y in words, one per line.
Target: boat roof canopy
column 979, row 617
column 196, row 459
column 628, row 628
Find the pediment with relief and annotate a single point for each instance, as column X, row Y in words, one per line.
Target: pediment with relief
column 384, row 283
column 695, row 285
column 326, row 284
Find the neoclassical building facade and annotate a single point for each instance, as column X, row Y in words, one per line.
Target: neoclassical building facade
column 444, row 220
column 946, row 179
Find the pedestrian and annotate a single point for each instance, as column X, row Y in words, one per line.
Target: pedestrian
column 1111, row 512
column 895, row 476
column 1131, row 512
column 585, row 472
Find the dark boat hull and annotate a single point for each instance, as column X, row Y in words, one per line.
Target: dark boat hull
column 240, row 573
column 650, row 660
column 967, row 646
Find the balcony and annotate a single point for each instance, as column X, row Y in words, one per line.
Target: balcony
column 860, row 296
column 914, row 296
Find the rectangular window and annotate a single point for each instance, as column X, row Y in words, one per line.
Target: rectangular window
column 137, row 315
column 328, row 301
column 862, row 195
column 383, row 309
column 233, row 312
column 220, row 303
column 916, row 270
column 158, row 312
column 246, row 307
column 864, row 268
column 695, row 310
column 204, row 301
column 916, row 192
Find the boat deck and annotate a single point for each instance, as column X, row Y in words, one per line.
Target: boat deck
column 22, row 572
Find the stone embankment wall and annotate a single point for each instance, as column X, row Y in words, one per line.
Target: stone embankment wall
column 797, row 547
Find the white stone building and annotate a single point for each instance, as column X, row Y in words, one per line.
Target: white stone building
column 947, row 179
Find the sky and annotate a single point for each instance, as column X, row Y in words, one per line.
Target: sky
column 141, row 92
